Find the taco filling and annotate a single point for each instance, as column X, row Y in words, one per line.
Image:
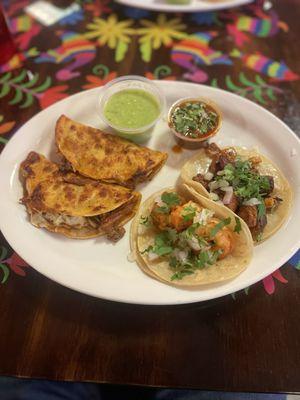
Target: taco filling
column 187, row 235
column 238, row 184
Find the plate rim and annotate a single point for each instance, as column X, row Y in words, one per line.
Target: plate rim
column 174, row 8
column 233, row 288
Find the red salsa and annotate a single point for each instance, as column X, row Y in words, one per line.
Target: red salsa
column 194, row 119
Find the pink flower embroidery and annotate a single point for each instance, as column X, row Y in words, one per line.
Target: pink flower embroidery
column 269, row 283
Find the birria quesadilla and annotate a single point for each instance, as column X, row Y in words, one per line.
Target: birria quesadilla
column 73, row 205
column 103, row 156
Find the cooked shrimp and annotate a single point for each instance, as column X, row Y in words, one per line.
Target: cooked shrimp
column 160, row 220
column 223, row 239
column 177, row 219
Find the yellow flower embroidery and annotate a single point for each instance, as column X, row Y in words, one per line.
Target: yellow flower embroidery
column 156, row 34
column 113, row 33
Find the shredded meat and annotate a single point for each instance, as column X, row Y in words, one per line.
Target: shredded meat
column 115, row 233
column 42, row 220
column 108, row 222
column 249, row 215
column 64, row 164
column 200, row 178
column 77, row 179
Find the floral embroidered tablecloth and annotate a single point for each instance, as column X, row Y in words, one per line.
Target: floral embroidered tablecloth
column 232, row 49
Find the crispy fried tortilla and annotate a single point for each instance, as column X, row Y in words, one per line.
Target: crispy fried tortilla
column 159, row 268
column 72, row 205
column 200, row 164
column 105, row 157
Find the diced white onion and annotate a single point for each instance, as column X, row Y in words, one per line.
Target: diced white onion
column 202, row 216
column 223, row 183
column 208, row 176
column 252, row 202
column 181, row 255
column 220, row 173
column 217, row 184
column 213, row 196
column 228, row 195
column 193, row 243
column 159, row 201
column 213, row 185
column 227, row 189
column 152, row 256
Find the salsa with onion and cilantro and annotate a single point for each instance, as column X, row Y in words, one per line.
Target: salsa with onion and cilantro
column 194, row 119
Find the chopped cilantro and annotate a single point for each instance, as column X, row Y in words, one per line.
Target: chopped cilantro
column 163, row 209
column 162, row 244
column 219, row 226
column 238, row 226
column 180, row 274
column 246, row 182
column 202, row 259
column 259, row 237
column 261, row 209
column 170, row 198
column 188, row 213
column 146, row 221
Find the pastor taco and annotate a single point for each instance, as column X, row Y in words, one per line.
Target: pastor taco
column 244, row 181
column 72, row 205
column 184, row 239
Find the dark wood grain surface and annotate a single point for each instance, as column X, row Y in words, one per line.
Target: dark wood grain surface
column 247, row 343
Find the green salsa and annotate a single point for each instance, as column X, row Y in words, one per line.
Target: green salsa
column 131, row 109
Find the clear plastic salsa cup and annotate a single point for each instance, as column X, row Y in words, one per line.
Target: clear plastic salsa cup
column 145, row 91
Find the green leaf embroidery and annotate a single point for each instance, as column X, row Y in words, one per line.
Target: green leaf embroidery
column 3, row 253
column 43, row 86
column 2, row 140
column 270, row 94
column 258, row 95
column 121, row 50
column 5, row 78
column 5, row 90
column 232, row 86
column 5, row 270
column 260, row 80
column 245, row 81
column 28, row 102
column 20, row 77
column 32, row 82
column 146, row 51
column 214, row 83
column 17, row 98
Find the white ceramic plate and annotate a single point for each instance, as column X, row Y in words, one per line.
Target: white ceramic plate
column 101, row 269
column 194, row 6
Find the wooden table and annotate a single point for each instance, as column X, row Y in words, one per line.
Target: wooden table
column 246, row 342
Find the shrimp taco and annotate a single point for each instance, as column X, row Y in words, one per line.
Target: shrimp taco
column 184, row 239
column 244, row 181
